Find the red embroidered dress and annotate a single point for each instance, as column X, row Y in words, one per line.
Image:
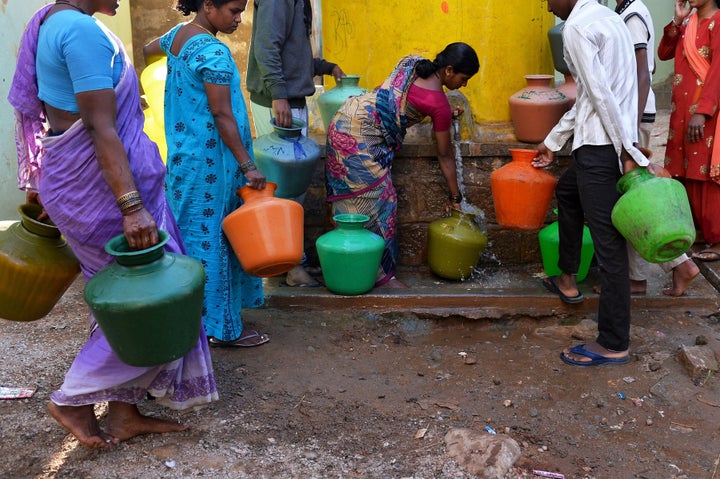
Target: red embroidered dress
column 689, row 96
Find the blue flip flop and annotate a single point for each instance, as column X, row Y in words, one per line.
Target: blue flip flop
column 551, row 285
column 595, row 359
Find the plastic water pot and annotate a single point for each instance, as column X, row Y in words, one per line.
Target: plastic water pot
column 654, row 215
column 350, row 255
column 148, row 302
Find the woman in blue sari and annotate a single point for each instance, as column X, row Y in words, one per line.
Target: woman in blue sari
column 210, row 157
column 365, row 133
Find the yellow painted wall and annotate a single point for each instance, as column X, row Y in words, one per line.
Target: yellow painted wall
column 367, row 37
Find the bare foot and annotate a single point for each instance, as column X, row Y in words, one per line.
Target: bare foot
column 299, row 277
column 82, row 423
column 124, row 421
column 594, row 348
column 682, row 276
column 393, row 283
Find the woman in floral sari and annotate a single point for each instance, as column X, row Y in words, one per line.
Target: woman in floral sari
column 365, row 133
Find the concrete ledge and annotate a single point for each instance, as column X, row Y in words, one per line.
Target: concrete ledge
column 496, row 293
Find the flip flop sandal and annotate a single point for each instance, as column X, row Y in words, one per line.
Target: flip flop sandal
column 551, row 285
column 252, row 339
column 595, row 359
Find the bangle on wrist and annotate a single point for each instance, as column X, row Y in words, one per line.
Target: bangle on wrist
column 248, row 165
column 130, row 195
column 455, row 198
column 675, row 23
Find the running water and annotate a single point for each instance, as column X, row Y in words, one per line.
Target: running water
column 477, row 275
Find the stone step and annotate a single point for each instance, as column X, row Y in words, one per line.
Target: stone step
column 493, row 293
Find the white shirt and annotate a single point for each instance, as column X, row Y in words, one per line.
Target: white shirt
column 638, row 20
column 601, row 57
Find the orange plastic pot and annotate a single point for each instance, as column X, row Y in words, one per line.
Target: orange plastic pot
column 521, row 192
column 266, row 233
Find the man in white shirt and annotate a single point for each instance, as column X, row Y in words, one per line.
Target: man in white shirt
column 637, row 17
column 603, row 124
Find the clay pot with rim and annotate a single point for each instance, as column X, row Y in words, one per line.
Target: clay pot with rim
column 537, row 108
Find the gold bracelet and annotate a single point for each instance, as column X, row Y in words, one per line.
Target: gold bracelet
column 127, row 196
column 128, row 203
column 132, row 209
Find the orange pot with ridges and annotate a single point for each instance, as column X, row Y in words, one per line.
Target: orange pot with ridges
column 266, row 233
column 521, row 192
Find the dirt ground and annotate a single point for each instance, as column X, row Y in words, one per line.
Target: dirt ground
column 343, row 395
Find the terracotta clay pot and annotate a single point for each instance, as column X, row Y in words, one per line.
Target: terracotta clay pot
column 521, row 192
column 569, row 89
column 266, row 233
column 536, row 109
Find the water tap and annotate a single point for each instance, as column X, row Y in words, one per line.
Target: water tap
column 456, row 125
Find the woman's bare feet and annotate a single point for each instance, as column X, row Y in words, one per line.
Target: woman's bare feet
column 682, row 276
column 124, row 421
column 82, row 423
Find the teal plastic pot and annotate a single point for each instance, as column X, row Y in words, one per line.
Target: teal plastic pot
column 331, row 101
column 654, row 215
column 148, row 303
column 549, row 238
column 455, row 244
column 288, row 158
column 350, row 255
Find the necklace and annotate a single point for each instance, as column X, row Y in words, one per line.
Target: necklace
column 202, row 28
column 65, row 2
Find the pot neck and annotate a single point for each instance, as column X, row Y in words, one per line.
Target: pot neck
column 119, row 248
column 249, row 194
column 351, row 221
column 633, row 178
column 28, row 219
column 523, row 155
column 349, row 81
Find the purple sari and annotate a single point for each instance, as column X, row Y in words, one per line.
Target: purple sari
column 81, row 204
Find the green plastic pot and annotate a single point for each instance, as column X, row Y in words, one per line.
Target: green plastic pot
column 654, row 215
column 148, row 303
column 350, row 255
column 549, row 238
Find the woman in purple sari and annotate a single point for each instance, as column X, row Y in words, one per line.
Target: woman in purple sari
column 83, row 152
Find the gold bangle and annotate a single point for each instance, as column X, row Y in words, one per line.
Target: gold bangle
column 132, row 209
column 127, row 196
column 128, row 203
